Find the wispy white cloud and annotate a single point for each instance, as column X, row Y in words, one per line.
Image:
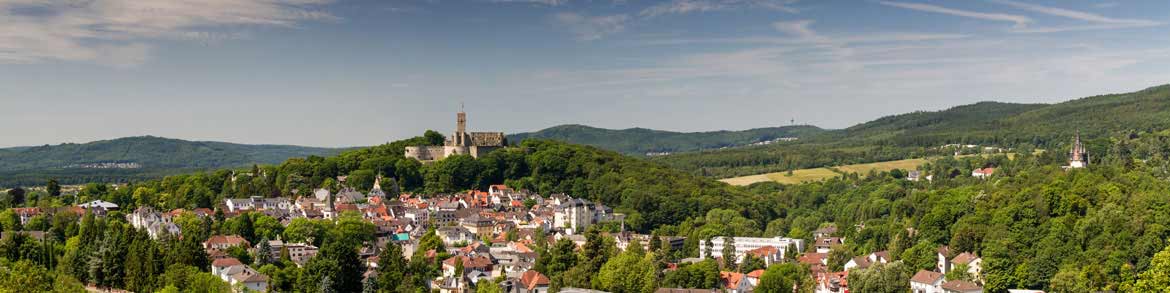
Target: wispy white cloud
column 698, row 6
column 541, row 2
column 118, row 32
column 1020, row 21
column 588, row 28
column 1096, row 21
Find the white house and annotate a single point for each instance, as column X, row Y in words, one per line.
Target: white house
column 973, row 262
column 926, row 282
column 153, row 222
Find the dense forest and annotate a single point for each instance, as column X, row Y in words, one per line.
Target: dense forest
column 154, row 157
column 640, row 141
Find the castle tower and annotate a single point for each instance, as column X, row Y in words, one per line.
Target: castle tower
column 460, row 138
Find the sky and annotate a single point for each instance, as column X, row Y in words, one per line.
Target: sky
column 352, row 73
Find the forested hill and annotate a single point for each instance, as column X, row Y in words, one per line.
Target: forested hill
column 135, row 158
column 918, row 134
column 1008, row 124
column 640, row 141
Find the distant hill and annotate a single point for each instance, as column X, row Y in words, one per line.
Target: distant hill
column 640, row 141
column 913, row 135
column 136, row 157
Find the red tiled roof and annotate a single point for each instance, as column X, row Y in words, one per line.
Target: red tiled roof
column 756, row 274
column 730, row 279
column 765, row 251
column 479, row 262
column 964, row 258
column 960, row 285
column 226, row 262
column 225, row 239
column 531, row 279
column 926, row 277
column 812, row 258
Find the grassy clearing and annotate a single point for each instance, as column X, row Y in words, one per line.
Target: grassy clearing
column 815, row 174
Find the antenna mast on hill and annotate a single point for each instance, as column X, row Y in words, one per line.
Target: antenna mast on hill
column 793, row 121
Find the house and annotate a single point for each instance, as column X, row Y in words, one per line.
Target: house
column 452, row 235
column 973, row 262
column 223, row 242
column 251, row 279
column 299, row 253
column 983, row 173
column 864, row 261
column 926, row 282
column 814, row 258
column 944, row 263
column 470, row 263
column 734, row 282
column 960, row 286
column 837, row 282
column 480, row 226
column 858, row 262
column 153, row 222
column 223, row 265
column 825, row 244
column 769, row 254
column 99, row 207
column 534, row 282
column 233, row 272
column 745, row 244
column 826, row 231
column 753, row 277
column 26, row 214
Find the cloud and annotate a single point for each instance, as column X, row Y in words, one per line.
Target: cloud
column 798, row 28
column 542, row 2
column 698, row 6
column 588, row 28
column 1020, row 21
column 1098, row 21
column 117, row 32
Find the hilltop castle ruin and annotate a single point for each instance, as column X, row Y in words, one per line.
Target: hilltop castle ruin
column 459, row 143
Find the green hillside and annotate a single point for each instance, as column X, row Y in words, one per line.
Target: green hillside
column 640, row 141
column 139, row 157
column 918, row 134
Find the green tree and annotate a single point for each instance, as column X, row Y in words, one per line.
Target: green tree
column 1157, row 277
column 729, row 256
column 882, row 278
column 838, row 257
column 392, row 266
column 751, row 263
column 53, row 187
column 783, row 277
column 630, row 271
column 486, row 286
column 362, row 180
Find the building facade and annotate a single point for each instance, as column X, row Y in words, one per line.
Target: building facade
column 745, row 244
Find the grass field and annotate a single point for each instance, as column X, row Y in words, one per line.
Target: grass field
column 806, row 175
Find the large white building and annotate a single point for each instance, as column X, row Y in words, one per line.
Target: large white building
column 745, row 244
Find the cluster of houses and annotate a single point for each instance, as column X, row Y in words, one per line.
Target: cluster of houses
column 490, row 232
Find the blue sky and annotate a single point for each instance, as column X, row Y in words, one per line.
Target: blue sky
column 342, row 73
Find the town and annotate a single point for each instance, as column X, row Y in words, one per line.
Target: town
column 492, row 236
